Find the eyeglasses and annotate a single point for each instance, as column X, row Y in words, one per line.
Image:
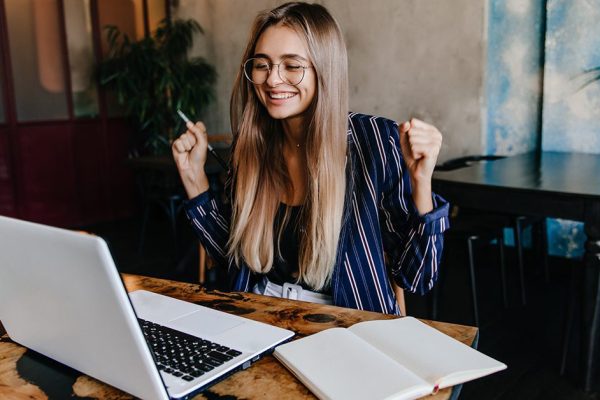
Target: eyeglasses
column 290, row 70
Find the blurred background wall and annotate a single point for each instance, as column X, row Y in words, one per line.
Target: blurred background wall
column 496, row 76
column 423, row 58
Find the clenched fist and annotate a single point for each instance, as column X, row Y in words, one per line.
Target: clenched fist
column 189, row 152
column 420, row 143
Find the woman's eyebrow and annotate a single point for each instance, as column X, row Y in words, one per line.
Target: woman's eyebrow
column 291, row 55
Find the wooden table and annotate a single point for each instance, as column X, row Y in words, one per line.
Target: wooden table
column 545, row 184
column 26, row 374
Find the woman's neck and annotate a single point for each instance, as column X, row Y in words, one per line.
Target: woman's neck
column 295, row 161
column 294, row 132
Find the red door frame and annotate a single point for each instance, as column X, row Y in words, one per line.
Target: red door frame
column 115, row 196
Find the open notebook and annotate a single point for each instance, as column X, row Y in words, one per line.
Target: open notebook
column 388, row 359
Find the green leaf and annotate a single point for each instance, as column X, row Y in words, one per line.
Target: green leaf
column 153, row 76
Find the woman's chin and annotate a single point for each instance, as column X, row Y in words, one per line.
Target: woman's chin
column 280, row 114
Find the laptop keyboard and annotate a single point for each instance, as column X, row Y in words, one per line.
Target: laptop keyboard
column 182, row 355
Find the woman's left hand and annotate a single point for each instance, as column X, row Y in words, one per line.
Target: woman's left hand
column 420, row 143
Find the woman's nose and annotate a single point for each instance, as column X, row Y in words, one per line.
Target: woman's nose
column 274, row 79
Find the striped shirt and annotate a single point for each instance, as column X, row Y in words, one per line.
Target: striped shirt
column 379, row 218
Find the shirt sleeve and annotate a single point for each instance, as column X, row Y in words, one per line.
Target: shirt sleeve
column 413, row 243
column 210, row 220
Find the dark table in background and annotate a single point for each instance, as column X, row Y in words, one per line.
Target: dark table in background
column 546, row 184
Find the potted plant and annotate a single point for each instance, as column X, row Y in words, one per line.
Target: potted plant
column 153, row 77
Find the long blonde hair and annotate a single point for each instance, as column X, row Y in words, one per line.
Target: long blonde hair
column 258, row 167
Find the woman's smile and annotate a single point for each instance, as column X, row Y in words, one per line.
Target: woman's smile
column 281, row 95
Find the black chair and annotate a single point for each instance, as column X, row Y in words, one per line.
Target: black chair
column 160, row 189
column 476, row 230
column 483, row 228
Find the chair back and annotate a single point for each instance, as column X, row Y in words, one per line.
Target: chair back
column 400, row 298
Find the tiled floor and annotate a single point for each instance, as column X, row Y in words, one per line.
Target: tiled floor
column 527, row 338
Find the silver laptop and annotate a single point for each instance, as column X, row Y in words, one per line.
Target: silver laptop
column 61, row 295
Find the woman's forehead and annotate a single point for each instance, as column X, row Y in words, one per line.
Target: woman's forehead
column 279, row 41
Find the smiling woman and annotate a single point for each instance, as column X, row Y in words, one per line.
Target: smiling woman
column 319, row 197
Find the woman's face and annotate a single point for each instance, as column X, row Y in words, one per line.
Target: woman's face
column 282, row 100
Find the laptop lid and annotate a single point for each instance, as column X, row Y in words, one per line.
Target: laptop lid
column 61, row 295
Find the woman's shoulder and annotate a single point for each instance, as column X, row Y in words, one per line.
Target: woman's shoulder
column 370, row 126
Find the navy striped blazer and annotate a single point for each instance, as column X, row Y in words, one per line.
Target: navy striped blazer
column 379, row 217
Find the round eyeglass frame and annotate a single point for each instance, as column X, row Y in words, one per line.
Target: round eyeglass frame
column 270, row 65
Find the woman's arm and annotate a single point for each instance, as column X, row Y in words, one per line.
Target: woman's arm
column 209, row 218
column 420, row 144
column 413, row 218
column 189, row 153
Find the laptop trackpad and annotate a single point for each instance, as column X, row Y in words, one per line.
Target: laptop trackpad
column 204, row 323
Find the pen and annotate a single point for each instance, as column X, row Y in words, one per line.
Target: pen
column 210, row 148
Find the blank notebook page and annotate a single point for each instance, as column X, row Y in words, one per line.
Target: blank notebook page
column 424, row 350
column 335, row 364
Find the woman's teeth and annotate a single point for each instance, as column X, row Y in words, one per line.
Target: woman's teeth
column 281, row 95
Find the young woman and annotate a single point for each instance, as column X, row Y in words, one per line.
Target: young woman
column 325, row 205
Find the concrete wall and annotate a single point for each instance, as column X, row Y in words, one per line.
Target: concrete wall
column 571, row 118
column 572, row 110
column 571, row 114
column 423, row 58
column 514, row 75
column 473, row 68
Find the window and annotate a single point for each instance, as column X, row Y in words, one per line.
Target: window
column 78, row 24
column 156, row 13
column 2, row 111
column 37, row 59
column 128, row 16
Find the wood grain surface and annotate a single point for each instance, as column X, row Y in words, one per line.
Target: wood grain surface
column 25, row 374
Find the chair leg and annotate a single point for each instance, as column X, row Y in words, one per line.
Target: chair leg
column 399, row 292
column 172, row 214
column 470, row 244
column 435, row 296
column 502, row 269
column 568, row 322
column 436, row 292
column 518, row 244
column 544, row 248
column 201, row 264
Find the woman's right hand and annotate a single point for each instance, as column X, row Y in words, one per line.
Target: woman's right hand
column 189, row 152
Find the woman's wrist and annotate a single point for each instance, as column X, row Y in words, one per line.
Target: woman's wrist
column 197, row 186
column 422, row 197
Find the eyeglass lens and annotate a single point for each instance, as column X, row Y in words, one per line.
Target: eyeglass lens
column 257, row 70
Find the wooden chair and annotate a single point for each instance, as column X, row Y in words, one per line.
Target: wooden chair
column 400, row 298
column 201, row 264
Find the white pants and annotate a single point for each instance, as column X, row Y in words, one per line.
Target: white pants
column 290, row 291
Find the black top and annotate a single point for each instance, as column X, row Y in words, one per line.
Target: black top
column 285, row 263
